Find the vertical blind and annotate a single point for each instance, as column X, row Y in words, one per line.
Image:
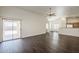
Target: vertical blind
column 11, row 29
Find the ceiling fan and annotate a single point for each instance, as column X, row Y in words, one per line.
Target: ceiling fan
column 51, row 13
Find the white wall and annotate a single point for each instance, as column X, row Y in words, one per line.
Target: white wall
column 70, row 31
column 32, row 23
column 1, row 28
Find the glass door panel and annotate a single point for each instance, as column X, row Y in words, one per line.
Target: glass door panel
column 16, row 29
column 11, row 29
column 7, row 30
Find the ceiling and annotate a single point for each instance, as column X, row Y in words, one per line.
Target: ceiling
column 59, row 10
column 38, row 9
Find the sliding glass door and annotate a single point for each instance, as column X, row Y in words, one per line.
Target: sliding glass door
column 11, row 29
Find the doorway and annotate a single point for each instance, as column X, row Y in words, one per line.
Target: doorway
column 11, row 29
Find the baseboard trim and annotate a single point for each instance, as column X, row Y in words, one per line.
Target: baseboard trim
column 23, row 37
column 34, row 35
column 68, row 35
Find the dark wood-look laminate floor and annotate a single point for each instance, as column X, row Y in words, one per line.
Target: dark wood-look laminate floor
column 46, row 43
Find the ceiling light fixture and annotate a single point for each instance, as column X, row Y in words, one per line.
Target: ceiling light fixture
column 51, row 13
